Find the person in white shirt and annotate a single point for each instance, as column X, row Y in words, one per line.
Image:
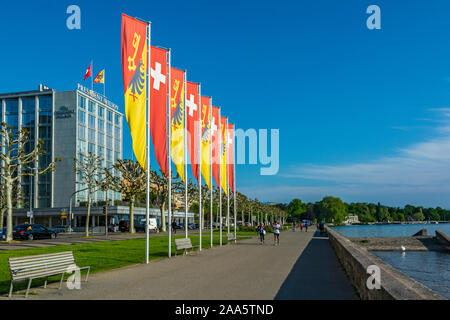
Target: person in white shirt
column 276, row 233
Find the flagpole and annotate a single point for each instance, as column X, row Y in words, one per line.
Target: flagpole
column 104, row 83
column 210, row 170
column 147, row 204
column 234, row 186
column 170, row 163
column 185, row 161
column 92, row 77
column 199, row 145
column 226, row 175
column 219, row 152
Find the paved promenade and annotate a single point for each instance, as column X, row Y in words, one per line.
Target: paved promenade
column 302, row 267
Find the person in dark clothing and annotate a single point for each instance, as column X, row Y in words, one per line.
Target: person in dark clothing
column 174, row 227
column 306, row 226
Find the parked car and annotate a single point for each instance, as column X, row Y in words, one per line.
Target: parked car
column 124, row 226
column 59, row 229
column 3, row 234
column 193, row 226
column 32, row 231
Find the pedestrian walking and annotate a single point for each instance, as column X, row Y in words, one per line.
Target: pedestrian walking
column 276, row 234
column 261, row 233
column 301, row 226
column 293, row 226
column 174, row 227
column 306, row 226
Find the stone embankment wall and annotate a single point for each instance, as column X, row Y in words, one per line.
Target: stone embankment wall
column 443, row 239
column 394, row 284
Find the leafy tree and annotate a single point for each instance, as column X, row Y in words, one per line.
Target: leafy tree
column 332, row 209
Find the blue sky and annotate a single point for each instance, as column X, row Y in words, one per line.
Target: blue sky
column 363, row 114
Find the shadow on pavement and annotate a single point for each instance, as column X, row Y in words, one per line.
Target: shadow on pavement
column 317, row 275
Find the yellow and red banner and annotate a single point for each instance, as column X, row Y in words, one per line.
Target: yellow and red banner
column 223, row 154
column 230, row 156
column 192, row 124
column 159, row 82
column 215, row 144
column 134, row 66
column 205, row 166
column 177, row 119
column 100, row 78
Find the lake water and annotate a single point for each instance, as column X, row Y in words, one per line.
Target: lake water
column 428, row 267
column 393, row 230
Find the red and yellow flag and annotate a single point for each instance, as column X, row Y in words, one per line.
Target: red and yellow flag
column 134, row 65
column 205, row 166
column 158, row 105
column 192, row 125
column 100, row 78
column 215, row 127
column 223, row 154
column 230, row 155
column 177, row 119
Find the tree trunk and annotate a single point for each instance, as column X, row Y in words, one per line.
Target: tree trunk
column 88, row 215
column 2, row 217
column 132, row 215
column 163, row 217
column 243, row 217
column 9, row 219
column 203, row 217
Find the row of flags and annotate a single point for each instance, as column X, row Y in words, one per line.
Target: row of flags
column 190, row 112
column 181, row 120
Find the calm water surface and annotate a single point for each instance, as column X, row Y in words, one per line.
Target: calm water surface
column 427, row 267
column 395, row 230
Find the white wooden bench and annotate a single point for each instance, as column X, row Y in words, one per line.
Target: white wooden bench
column 183, row 244
column 40, row 266
column 230, row 237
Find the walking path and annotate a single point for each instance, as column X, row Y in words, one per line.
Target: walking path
column 301, row 267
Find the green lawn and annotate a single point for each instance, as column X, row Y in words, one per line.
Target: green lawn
column 100, row 256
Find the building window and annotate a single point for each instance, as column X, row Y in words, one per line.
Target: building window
column 81, row 132
column 108, row 155
column 91, row 120
column 108, row 142
column 28, row 120
column 116, row 145
column 117, row 119
column 116, row 156
column 45, row 117
column 28, row 105
column 81, row 148
column 117, row 133
column 101, row 112
column 101, row 139
column 81, row 102
column 45, row 103
column 101, row 125
column 91, row 148
column 109, row 115
column 91, row 135
column 109, row 129
column 101, row 152
column 12, row 120
column 81, row 116
column 12, row 106
column 45, row 132
column 91, row 106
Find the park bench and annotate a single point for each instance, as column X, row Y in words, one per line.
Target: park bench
column 183, row 244
column 40, row 266
column 230, row 237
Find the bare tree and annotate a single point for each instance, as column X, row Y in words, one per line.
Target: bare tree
column 161, row 191
column 87, row 168
column 132, row 183
column 14, row 160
